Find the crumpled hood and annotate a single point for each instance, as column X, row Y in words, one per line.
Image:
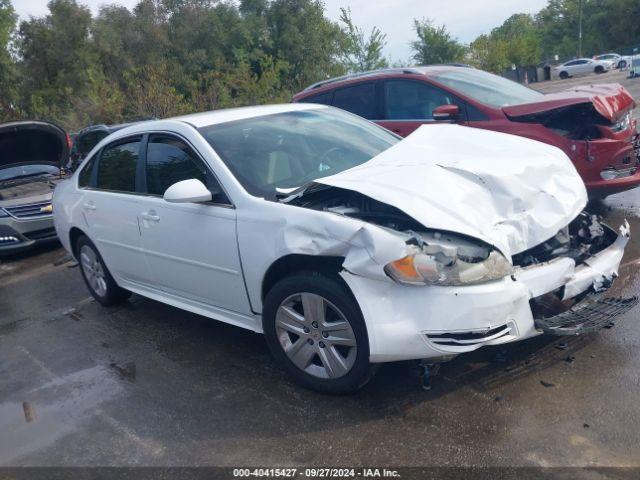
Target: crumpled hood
column 611, row 101
column 509, row 191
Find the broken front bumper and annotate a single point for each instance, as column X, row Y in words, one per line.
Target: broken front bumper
column 406, row 323
column 591, row 314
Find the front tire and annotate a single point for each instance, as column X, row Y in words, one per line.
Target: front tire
column 315, row 331
column 599, row 69
column 96, row 276
column 564, row 75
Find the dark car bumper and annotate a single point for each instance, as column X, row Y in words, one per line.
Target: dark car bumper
column 17, row 236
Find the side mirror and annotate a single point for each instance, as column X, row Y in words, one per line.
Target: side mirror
column 446, row 112
column 187, row 191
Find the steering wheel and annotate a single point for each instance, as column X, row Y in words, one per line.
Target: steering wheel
column 325, row 156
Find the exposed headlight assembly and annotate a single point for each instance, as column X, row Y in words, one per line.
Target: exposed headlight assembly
column 448, row 264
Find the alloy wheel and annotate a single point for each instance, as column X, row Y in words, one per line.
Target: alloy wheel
column 316, row 336
column 93, row 271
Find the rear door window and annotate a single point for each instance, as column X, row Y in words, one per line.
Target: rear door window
column 117, row 166
column 359, row 99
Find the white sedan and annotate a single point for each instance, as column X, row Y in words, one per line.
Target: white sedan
column 619, row 61
column 582, row 66
column 345, row 245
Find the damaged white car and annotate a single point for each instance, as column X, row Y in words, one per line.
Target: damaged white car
column 345, row 245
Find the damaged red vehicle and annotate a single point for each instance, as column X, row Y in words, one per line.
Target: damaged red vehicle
column 593, row 125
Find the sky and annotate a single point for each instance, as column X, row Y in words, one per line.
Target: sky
column 465, row 19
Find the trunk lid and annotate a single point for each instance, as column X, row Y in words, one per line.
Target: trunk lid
column 509, row 191
column 611, row 101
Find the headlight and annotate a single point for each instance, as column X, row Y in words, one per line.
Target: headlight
column 623, row 124
column 446, row 267
column 3, row 214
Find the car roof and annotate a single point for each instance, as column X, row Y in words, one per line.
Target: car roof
column 205, row 119
column 231, row 114
column 106, row 128
column 421, row 70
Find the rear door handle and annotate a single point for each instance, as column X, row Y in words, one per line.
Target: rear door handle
column 151, row 216
column 89, row 206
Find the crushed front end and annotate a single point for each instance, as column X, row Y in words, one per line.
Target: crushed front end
column 580, row 306
column 557, row 287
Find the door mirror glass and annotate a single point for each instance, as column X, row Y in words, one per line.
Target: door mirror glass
column 446, row 112
column 188, row 191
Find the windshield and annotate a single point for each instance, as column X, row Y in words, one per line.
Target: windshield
column 287, row 150
column 487, row 88
column 23, row 171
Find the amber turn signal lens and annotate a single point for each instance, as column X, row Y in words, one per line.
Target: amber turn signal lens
column 405, row 268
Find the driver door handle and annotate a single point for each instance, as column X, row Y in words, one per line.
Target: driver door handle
column 89, row 206
column 150, row 216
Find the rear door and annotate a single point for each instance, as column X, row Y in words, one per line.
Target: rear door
column 191, row 248
column 407, row 104
column 110, row 206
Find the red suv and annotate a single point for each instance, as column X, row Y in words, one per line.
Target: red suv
column 592, row 125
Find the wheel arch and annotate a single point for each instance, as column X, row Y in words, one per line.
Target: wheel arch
column 295, row 263
column 74, row 234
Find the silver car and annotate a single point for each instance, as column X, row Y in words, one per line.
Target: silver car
column 31, row 157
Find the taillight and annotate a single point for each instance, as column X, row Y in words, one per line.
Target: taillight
column 69, row 142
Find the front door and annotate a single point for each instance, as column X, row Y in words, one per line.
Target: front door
column 191, row 249
column 408, row 104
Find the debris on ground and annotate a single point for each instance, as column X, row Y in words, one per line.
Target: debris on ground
column 561, row 346
column 126, row 371
column 29, row 412
column 547, row 384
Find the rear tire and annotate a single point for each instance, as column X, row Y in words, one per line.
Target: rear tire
column 622, row 64
column 564, row 75
column 96, row 276
column 315, row 331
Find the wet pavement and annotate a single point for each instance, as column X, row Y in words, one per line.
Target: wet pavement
column 147, row 384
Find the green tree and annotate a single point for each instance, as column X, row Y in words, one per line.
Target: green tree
column 8, row 74
column 303, row 37
column 515, row 42
column 521, row 37
column 360, row 54
column 435, row 44
column 56, row 59
column 489, row 53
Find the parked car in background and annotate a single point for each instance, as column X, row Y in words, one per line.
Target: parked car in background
column 32, row 155
column 343, row 244
column 592, row 125
column 582, row 66
column 88, row 138
column 619, row 61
